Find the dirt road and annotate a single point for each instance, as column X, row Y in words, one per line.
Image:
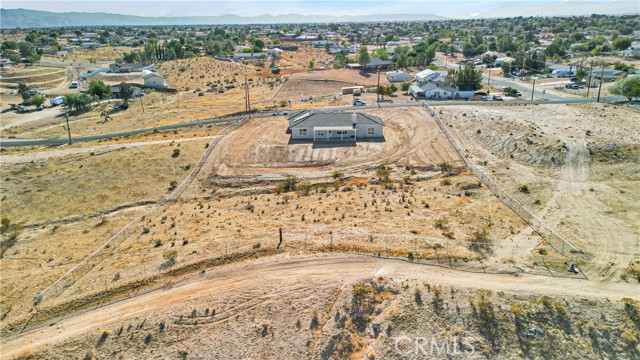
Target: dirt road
column 286, row 273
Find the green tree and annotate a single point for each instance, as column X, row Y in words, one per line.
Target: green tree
column 381, row 53
column 126, row 91
column 24, row 91
column 401, row 57
column 364, row 58
column 621, row 43
column 628, row 87
column 468, row 76
column 582, row 74
column 405, row 86
column 77, row 101
column 100, row 89
column 36, row 100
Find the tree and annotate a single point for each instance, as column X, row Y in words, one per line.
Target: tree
column 621, row 43
column 468, row 76
column 364, row 58
column 381, row 53
column 405, row 86
column 99, row 89
column 628, row 87
column 582, row 74
column 401, row 57
column 24, row 91
column 77, row 101
column 312, row 64
column 36, row 100
column 126, row 91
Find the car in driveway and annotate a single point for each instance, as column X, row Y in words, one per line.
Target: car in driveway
column 279, row 113
column 497, row 98
column 359, row 103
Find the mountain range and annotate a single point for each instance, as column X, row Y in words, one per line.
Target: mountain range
column 23, row 18
column 26, row 18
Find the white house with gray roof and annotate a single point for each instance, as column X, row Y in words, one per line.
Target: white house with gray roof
column 336, row 125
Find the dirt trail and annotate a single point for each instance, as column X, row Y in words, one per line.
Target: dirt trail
column 288, row 274
column 19, row 158
column 609, row 239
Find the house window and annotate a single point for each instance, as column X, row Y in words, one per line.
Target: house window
column 371, row 131
column 444, row 93
column 341, row 132
column 321, row 133
column 436, row 94
column 302, row 132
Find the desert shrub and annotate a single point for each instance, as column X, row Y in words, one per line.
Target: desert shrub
column 336, row 174
column 157, row 243
column 445, row 182
column 524, row 189
column 441, row 223
column 175, row 152
column 289, row 184
column 304, row 189
column 480, row 241
column 145, row 230
column 173, row 184
column 445, row 167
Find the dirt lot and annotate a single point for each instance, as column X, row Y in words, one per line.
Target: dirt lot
column 582, row 171
column 262, row 146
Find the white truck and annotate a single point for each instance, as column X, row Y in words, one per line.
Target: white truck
column 58, row 100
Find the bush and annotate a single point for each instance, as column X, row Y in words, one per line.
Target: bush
column 157, row 243
column 524, row 189
column 176, row 152
column 445, row 182
column 173, row 184
column 337, row 174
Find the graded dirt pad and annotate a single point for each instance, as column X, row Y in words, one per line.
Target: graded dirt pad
column 262, row 146
column 347, row 306
column 581, row 161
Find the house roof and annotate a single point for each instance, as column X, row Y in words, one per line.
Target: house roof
column 376, row 61
column 428, row 75
column 151, row 75
column 397, row 73
column 324, row 118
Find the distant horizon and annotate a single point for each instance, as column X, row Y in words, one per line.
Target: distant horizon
column 248, row 8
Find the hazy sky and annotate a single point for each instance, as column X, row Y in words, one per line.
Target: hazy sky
column 450, row 8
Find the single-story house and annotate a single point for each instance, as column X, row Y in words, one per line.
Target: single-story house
column 323, row 125
column 250, row 56
column 428, row 75
column 393, row 43
column 307, row 37
column 154, row 80
column 376, row 64
column 115, row 90
column 125, row 68
column 437, row 91
column 505, row 59
column 398, row 76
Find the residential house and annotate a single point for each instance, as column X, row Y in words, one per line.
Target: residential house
column 376, row 64
column 428, row 75
column 398, row 76
column 332, row 125
column 154, row 80
column 436, row 91
column 250, row 56
column 125, row 68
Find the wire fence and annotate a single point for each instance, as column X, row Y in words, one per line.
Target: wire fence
column 136, row 226
column 461, row 255
column 552, row 238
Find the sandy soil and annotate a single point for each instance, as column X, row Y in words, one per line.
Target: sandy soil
column 262, row 146
column 228, row 307
column 583, row 169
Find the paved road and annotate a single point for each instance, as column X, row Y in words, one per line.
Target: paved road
column 525, row 88
column 62, row 141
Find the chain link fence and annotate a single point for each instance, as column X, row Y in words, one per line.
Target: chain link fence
column 552, row 238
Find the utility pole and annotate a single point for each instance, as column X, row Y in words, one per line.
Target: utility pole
column 589, row 82
column 141, row 104
column 489, row 80
column 378, row 89
column 66, row 116
column 533, row 89
column 600, row 87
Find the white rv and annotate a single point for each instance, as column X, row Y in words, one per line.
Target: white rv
column 563, row 73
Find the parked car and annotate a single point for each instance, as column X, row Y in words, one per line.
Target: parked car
column 497, row 98
column 74, row 84
column 22, row 109
column 359, row 103
column 487, row 98
column 279, row 113
column 41, row 107
column 13, row 92
column 574, row 86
